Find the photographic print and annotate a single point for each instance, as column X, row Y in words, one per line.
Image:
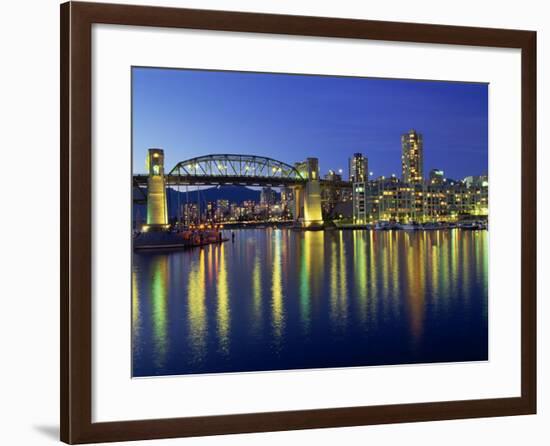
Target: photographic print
column 291, row 221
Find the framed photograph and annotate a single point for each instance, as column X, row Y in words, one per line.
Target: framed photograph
column 279, row 222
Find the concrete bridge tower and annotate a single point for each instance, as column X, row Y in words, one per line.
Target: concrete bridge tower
column 307, row 199
column 157, row 209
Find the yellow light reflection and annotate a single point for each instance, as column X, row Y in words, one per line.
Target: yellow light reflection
column 305, row 291
column 223, row 311
column 315, row 253
column 467, row 242
column 485, row 269
column 277, row 289
column 360, row 272
column 395, row 289
column 196, row 313
column 159, row 298
column 343, row 274
column 136, row 315
column 416, row 295
column 338, row 283
column 373, row 276
column 257, row 293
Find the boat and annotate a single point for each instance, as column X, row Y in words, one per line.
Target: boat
column 471, row 225
column 412, row 226
column 434, row 226
column 160, row 240
column 385, row 226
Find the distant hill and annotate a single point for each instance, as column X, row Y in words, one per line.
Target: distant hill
column 234, row 194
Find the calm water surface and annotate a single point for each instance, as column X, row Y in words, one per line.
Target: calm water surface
column 282, row 299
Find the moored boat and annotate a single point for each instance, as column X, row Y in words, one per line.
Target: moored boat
column 385, row 225
column 186, row 238
column 411, row 226
column 434, row 226
column 471, row 225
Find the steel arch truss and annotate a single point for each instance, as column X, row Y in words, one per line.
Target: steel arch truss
column 247, row 169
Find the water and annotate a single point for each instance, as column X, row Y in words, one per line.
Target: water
column 281, row 299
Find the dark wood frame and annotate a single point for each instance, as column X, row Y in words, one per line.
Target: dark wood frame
column 76, row 221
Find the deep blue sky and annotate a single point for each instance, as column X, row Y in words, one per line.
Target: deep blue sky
column 290, row 117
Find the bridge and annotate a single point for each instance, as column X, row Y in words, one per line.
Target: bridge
column 245, row 170
column 233, row 169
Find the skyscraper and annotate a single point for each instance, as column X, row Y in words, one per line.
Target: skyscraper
column 358, row 168
column 412, row 158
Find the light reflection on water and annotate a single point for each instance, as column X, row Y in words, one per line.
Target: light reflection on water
column 282, row 299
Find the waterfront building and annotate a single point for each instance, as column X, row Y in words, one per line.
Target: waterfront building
column 480, row 200
column 437, row 176
column 358, row 168
column 411, row 199
column 390, row 199
column 397, row 200
column 435, row 201
column 360, row 195
column 476, row 180
column 412, row 157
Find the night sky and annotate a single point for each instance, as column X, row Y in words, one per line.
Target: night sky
column 190, row 113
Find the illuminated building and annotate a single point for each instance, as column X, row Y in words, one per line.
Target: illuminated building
column 190, row 213
column 210, row 211
column 476, row 181
column 412, row 158
column 234, row 211
column 393, row 200
column 358, row 168
column 390, row 199
column 435, row 202
column 157, row 209
column 222, row 210
column 413, row 200
column 436, row 176
column 360, row 195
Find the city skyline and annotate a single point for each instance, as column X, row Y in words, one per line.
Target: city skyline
column 411, row 197
column 177, row 109
column 281, row 265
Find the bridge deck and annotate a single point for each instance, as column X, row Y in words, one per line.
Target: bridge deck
column 202, row 180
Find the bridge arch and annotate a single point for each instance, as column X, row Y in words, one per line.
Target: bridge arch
column 238, row 168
